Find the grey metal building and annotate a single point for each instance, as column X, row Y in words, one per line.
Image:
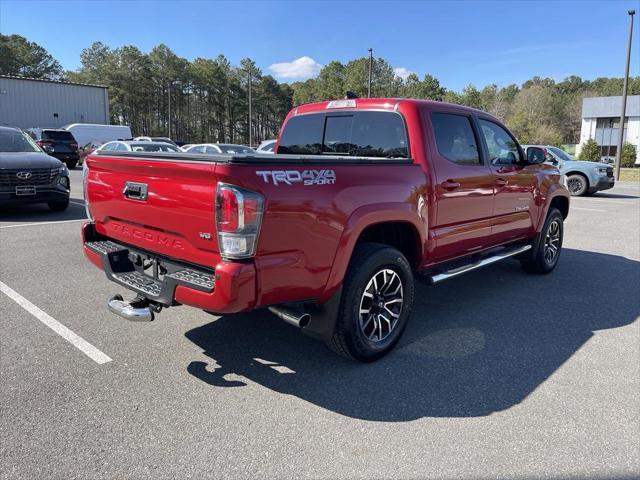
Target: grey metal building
column 601, row 121
column 30, row 103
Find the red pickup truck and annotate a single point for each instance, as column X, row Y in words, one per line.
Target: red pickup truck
column 362, row 196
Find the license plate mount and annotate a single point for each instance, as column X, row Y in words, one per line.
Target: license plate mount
column 23, row 190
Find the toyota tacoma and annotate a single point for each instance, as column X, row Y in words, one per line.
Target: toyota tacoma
column 361, row 197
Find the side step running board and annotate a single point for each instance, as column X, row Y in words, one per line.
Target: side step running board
column 440, row 277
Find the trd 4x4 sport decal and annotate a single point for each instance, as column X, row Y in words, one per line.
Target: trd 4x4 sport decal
column 306, row 177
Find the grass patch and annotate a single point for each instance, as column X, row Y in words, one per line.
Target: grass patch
column 630, row 174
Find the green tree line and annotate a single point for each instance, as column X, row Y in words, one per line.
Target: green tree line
column 207, row 99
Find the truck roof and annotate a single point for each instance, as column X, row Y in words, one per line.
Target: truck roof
column 389, row 103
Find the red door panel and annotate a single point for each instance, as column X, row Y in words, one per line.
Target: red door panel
column 464, row 186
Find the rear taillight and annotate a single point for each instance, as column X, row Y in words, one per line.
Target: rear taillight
column 238, row 218
column 85, row 189
column 42, row 143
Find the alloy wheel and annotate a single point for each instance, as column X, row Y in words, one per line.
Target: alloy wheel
column 381, row 305
column 552, row 242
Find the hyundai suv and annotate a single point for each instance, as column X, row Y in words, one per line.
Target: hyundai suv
column 30, row 175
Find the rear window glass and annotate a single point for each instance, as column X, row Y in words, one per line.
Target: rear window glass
column 362, row 134
column 58, row 135
column 302, row 135
column 337, row 135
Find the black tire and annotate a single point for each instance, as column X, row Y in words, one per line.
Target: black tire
column 350, row 338
column 59, row 206
column 71, row 164
column 538, row 261
column 577, row 184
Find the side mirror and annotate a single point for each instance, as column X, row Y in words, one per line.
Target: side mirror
column 535, row 155
column 48, row 149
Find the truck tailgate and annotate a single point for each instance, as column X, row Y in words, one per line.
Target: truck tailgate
column 165, row 207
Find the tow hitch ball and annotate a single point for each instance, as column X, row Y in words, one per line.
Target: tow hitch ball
column 140, row 309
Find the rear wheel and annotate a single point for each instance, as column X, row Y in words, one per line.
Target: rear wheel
column 59, row 206
column 71, row 164
column 577, row 184
column 376, row 303
column 545, row 257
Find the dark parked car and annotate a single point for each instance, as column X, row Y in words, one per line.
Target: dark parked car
column 58, row 143
column 28, row 174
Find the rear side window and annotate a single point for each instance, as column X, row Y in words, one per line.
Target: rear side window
column 361, row 134
column 57, row 135
column 379, row 134
column 455, row 139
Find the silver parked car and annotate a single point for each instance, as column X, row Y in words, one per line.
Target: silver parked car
column 141, row 146
column 266, row 146
column 217, row 148
column 583, row 178
column 155, row 139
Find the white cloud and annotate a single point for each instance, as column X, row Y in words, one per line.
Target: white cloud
column 301, row 68
column 402, row 72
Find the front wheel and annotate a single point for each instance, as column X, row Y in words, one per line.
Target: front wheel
column 577, row 184
column 544, row 257
column 376, row 303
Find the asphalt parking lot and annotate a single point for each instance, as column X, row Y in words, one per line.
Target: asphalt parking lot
column 499, row 374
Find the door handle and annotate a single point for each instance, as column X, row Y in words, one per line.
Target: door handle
column 501, row 182
column 450, row 185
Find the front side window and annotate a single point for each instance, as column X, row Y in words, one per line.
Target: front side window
column 359, row 134
column 503, row 149
column 455, row 139
column 561, row 154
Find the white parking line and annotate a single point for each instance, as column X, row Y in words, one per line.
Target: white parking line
column 80, row 343
column 587, row 209
column 77, row 203
column 42, row 223
column 587, row 201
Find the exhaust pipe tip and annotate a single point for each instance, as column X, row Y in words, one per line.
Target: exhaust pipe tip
column 305, row 318
column 291, row 316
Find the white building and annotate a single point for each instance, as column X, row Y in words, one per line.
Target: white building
column 30, row 103
column 601, row 120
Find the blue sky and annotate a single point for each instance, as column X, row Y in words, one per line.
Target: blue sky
column 458, row 42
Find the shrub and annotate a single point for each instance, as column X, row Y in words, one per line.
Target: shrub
column 629, row 155
column 590, row 151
